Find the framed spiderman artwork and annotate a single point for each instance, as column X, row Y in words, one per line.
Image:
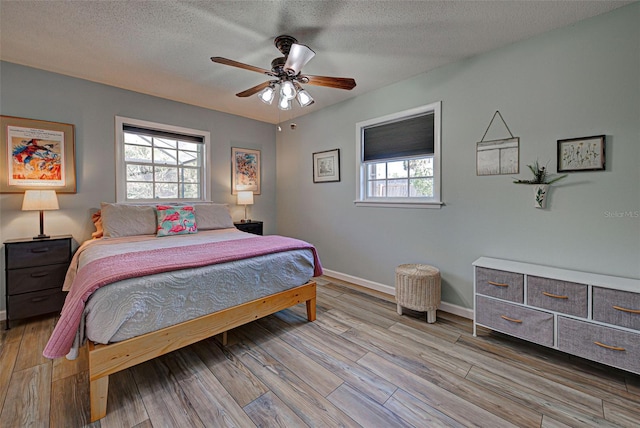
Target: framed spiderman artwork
column 36, row 154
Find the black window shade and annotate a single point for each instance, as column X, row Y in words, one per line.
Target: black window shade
column 162, row 134
column 404, row 138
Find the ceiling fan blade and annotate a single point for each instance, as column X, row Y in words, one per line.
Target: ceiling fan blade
column 253, row 90
column 225, row 61
column 298, row 56
column 331, row 82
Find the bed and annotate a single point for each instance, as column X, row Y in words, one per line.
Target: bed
column 138, row 291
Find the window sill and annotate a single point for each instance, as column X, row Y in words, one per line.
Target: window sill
column 399, row 204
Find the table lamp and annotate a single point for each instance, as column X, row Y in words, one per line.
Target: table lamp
column 245, row 198
column 40, row 200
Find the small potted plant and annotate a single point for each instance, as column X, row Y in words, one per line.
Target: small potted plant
column 542, row 180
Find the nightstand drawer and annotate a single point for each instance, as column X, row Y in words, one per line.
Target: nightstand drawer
column 36, row 253
column 36, row 303
column 525, row 323
column 598, row 343
column 500, row 284
column 559, row 296
column 616, row 307
column 35, row 278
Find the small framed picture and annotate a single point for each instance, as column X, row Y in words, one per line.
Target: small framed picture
column 581, row 154
column 326, row 166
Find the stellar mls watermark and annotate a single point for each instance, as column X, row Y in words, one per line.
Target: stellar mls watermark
column 622, row 214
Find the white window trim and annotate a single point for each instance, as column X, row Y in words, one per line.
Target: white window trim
column 361, row 182
column 121, row 195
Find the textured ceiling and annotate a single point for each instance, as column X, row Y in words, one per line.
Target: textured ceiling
column 162, row 48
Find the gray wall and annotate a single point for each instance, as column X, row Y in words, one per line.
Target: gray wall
column 91, row 107
column 578, row 81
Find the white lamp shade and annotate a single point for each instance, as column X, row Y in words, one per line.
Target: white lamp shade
column 284, row 103
column 304, row 98
column 267, row 94
column 40, row 200
column 287, row 90
column 298, row 56
column 245, row 198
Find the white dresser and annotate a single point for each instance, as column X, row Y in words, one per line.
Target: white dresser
column 589, row 315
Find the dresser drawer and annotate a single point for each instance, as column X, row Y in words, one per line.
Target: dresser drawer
column 614, row 347
column 36, row 303
column 525, row 323
column 36, row 253
column 560, row 296
column 35, row 278
column 500, row 284
column 616, row 307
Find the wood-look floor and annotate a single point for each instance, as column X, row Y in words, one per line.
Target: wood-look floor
column 358, row 364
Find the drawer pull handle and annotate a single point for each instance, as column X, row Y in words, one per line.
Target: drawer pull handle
column 633, row 311
column 613, row 348
column 40, row 250
column 555, row 296
column 498, row 284
column 510, row 319
column 38, row 299
column 39, row 274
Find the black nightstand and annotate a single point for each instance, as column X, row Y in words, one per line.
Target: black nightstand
column 254, row 227
column 35, row 271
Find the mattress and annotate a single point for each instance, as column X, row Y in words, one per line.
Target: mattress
column 135, row 306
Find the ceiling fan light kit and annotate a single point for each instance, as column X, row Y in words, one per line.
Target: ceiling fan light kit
column 304, row 99
column 287, row 90
column 286, row 70
column 284, row 103
column 267, row 94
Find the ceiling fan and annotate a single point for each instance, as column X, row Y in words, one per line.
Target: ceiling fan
column 286, row 73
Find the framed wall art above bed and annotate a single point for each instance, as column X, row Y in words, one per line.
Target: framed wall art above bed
column 36, row 155
column 245, row 170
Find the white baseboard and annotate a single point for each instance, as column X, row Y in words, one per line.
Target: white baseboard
column 391, row 290
column 382, row 288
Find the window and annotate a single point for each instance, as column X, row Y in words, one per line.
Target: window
column 156, row 161
column 399, row 159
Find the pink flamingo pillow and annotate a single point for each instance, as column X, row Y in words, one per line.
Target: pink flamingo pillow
column 175, row 220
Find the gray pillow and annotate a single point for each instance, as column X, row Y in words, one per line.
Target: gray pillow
column 212, row 216
column 127, row 220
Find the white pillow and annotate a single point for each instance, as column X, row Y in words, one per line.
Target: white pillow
column 212, row 216
column 126, row 220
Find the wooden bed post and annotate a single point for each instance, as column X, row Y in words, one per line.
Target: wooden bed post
column 311, row 309
column 98, row 391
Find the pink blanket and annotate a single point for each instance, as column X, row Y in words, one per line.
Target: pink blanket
column 131, row 265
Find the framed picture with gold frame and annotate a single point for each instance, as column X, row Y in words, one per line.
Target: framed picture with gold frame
column 36, row 155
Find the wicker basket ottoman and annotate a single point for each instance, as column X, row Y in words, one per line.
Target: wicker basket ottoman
column 418, row 288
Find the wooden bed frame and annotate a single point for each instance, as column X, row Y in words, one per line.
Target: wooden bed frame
column 114, row 357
